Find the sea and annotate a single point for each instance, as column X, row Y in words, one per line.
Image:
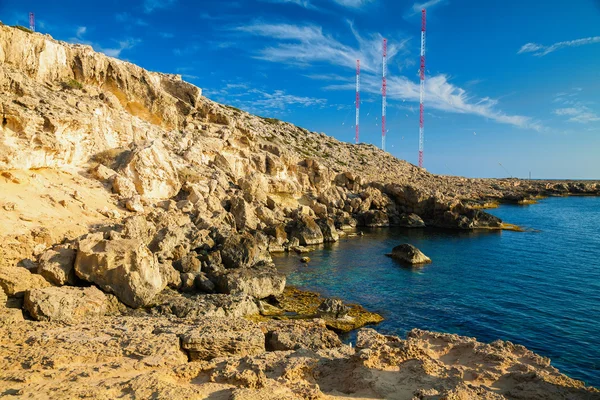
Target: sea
column 539, row 288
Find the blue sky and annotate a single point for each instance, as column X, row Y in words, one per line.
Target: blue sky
column 508, row 82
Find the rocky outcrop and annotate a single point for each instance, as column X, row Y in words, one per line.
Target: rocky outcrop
column 56, row 265
column 306, row 230
column 411, row 221
column 223, row 338
column 294, row 335
column 243, row 250
column 181, row 305
column 65, row 304
column 409, row 254
column 260, row 282
column 124, row 267
column 16, row 281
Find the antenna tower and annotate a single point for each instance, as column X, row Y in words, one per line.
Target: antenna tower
column 383, row 94
column 32, row 21
column 357, row 98
column 422, row 93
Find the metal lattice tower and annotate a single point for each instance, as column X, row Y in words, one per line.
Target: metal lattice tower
column 356, row 138
column 422, row 91
column 32, row 21
column 383, row 94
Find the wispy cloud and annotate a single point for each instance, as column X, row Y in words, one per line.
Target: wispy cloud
column 151, row 5
column 582, row 115
column 306, row 45
column 353, row 3
column 112, row 51
column 541, row 50
column 577, row 110
column 417, row 7
column 302, row 3
column 260, row 101
column 127, row 18
column 442, row 95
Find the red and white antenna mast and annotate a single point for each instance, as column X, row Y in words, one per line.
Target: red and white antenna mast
column 422, row 93
column 357, row 98
column 383, row 94
column 32, row 21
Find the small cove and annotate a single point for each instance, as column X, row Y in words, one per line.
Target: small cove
column 539, row 288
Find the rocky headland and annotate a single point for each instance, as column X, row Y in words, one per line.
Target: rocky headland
column 138, row 219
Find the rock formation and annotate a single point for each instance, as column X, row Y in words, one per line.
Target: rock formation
column 138, row 219
column 409, row 254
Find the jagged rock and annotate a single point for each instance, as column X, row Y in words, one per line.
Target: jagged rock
column 333, row 308
column 243, row 250
column 409, row 254
column 306, row 230
column 296, row 334
column 259, row 282
column 189, row 263
column 103, row 173
column 375, row 218
column 245, row 217
column 186, row 305
column 15, row 281
column 187, row 282
column 134, row 204
column 203, row 284
column 65, row 304
column 123, row 186
column 56, row 265
column 223, row 337
column 330, row 234
column 152, row 172
column 124, row 267
column 305, row 260
column 411, row 221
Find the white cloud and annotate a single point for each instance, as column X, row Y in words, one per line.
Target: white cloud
column 308, row 45
column 151, row 5
column 302, row 3
column 440, row 94
column 540, row 50
column 353, row 3
column 125, row 44
column 582, row 114
column 303, row 45
column 81, row 30
column 259, row 101
column 417, row 7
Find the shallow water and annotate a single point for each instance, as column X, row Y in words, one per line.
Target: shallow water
column 539, row 288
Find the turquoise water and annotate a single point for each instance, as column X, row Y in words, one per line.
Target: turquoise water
column 540, row 288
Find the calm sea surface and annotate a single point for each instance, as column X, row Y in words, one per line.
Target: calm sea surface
column 539, row 288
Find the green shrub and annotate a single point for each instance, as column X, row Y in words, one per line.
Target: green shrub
column 112, row 158
column 23, row 29
column 72, row 84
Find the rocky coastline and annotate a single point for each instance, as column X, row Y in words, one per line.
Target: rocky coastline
column 138, row 223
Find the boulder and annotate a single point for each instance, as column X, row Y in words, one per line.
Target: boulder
column 65, row 304
column 151, row 169
column 243, row 250
column 15, row 281
column 409, row 254
column 203, row 284
column 259, row 282
column 123, row 186
column 374, row 218
column 223, row 337
column 297, row 334
column 243, row 213
column 124, row 267
column 134, row 204
column 56, row 265
column 183, row 305
column 411, row 221
column 189, row 263
column 333, row 308
column 330, row 234
column 306, row 230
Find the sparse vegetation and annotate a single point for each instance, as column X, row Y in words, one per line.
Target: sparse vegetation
column 72, row 84
column 112, row 158
column 270, row 120
column 23, row 29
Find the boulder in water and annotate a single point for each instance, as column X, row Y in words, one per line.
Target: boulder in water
column 409, row 254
